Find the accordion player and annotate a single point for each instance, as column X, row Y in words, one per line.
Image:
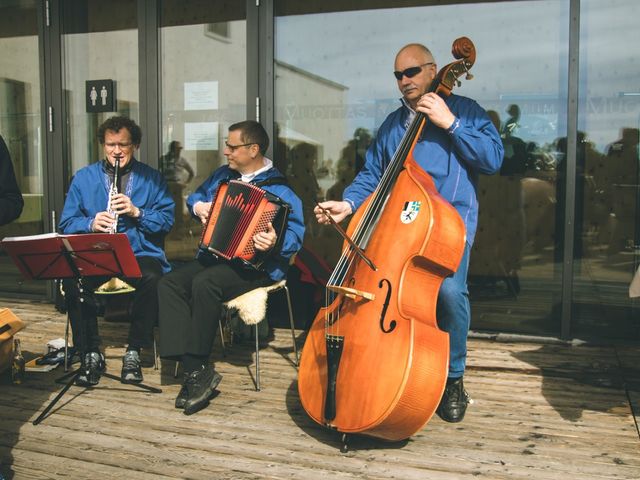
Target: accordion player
column 238, row 211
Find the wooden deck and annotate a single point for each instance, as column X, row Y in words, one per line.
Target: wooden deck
column 540, row 411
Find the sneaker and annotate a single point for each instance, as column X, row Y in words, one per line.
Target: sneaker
column 454, row 401
column 91, row 368
column 200, row 386
column 183, row 394
column 56, row 357
column 131, row 371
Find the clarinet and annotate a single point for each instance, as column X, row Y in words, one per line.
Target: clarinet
column 113, row 191
column 114, row 285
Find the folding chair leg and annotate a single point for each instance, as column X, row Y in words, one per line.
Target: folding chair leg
column 257, row 360
column 222, row 333
column 155, row 354
column 293, row 328
column 66, row 346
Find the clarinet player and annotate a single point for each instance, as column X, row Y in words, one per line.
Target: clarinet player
column 142, row 208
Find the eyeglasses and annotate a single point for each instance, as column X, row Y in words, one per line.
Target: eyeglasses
column 233, row 148
column 411, row 71
column 123, row 146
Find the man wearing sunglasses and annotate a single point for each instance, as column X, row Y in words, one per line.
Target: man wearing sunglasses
column 459, row 143
column 191, row 296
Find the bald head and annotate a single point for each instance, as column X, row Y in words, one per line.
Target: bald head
column 417, row 50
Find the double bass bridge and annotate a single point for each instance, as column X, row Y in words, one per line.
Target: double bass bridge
column 352, row 293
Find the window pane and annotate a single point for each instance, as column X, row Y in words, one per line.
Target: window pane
column 204, row 71
column 608, row 184
column 330, row 103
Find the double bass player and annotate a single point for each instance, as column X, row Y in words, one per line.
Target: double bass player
column 458, row 143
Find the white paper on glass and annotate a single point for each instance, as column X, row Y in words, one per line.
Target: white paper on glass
column 201, row 95
column 201, row 136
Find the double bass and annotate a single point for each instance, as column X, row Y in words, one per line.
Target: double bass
column 374, row 361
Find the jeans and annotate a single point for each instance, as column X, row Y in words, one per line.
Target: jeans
column 453, row 312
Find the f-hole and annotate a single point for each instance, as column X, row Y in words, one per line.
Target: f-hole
column 392, row 324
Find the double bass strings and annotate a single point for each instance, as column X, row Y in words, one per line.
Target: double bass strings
column 368, row 221
column 393, row 170
column 344, row 235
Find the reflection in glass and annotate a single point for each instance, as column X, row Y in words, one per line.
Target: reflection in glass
column 21, row 129
column 608, row 183
column 100, row 41
column 204, row 72
column 328, row 106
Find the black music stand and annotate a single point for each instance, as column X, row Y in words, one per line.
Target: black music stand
column 53, row 257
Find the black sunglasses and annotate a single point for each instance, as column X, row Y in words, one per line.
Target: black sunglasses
column 410, row 72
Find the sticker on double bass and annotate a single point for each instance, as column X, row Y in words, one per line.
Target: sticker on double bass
column 410, row 212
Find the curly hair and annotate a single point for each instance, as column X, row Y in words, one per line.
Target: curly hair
column 115, row 124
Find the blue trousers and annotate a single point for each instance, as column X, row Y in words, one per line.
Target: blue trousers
column 453, row 312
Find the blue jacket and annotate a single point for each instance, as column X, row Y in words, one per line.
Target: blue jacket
column 148, row 191
column 454, row 160
column 276, row 265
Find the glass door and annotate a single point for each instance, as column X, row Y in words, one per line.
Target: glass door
column 607, row 246
column 203, row 70
column 330, row 101
column 21, row 129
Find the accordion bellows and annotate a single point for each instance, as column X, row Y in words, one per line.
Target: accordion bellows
column 239, row 210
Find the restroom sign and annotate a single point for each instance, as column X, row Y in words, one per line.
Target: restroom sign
column 100, row 96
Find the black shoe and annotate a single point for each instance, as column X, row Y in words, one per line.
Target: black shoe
column 454, row 401
column 183, row 394
column 200, row 386
column 91, row 368
column 56, row 357
column 131, row 371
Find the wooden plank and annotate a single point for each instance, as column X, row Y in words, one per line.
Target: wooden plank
column 541, row 412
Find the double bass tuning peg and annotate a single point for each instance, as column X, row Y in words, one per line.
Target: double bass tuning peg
column 469, row 76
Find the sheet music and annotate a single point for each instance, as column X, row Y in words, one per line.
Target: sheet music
column 31, row 237
column 52, row 256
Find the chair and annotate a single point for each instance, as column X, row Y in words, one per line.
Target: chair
column 252, row 308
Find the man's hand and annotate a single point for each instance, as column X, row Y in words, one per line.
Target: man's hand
column 102, row 222
column 433, row 106
column 122, row 205
column 338, row 210
column 201, row 209
column 264, row 241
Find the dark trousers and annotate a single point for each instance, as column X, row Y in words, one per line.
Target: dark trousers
column 190, row 300
column 82, row 306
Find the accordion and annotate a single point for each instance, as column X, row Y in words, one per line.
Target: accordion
column 239, row 210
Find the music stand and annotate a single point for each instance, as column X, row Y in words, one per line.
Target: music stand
column 52, row 256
